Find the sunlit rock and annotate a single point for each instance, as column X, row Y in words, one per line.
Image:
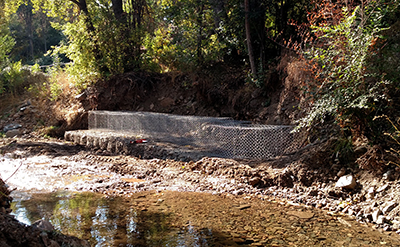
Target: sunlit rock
column 346, row 182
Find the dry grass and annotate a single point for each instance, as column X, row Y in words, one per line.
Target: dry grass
column 294, row 93
column 372, row 160
column 8, row 104
column 59, row 102
column 53, row 101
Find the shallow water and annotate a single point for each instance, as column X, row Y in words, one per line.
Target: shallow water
column 106, row 221
column 161, row 215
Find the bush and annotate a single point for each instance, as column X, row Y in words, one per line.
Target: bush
column 344, row 84
column 12, row 78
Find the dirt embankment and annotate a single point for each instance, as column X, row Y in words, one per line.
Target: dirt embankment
column 224, row 95
column 219, row 91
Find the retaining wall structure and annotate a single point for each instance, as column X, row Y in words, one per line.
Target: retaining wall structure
column 207, row 136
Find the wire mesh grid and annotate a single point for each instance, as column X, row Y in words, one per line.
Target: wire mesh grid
column 222, row 136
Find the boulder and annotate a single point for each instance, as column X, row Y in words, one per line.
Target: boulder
column 371, row 193
column 389, row 175
column 381, row 219
column 43, row 225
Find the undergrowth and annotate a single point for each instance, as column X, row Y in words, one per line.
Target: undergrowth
column 394, row 136
column 343, row 86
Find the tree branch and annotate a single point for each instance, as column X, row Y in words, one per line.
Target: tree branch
column 75, row 2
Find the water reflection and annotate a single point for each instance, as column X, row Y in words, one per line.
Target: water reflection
column 106, row 221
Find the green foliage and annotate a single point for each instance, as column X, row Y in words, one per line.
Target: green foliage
column 83, row 67
column 12, row 77
column 53, row 84
column 55, row 91
column 32, row 33
column 98, row 42
column 35, row 68
column 6, row 44
column 150, row 34
column 385, row 57
column 186, row 35
column 345, row 88
column 6, row 40
column 344, row 150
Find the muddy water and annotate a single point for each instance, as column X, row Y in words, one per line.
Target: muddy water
column 106, row 221
column 169, row 218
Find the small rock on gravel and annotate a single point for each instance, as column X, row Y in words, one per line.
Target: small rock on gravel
column 346, row 182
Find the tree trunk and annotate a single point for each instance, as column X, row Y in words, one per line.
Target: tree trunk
column 219, row 13
column 45, row 28
column 248, row 38
column 118, row 9
column 29, row 28
column 200, row 32
column 82, row 5
column 261, row 32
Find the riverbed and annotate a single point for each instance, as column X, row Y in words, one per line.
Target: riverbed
column 162, row 203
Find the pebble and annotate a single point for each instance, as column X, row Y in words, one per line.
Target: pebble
column 241, row 207
column 376, row 214
column 382, row 188
column 389, row 207
column 341, row 172
column 381, row 219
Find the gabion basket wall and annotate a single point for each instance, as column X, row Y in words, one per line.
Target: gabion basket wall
column 222, row 136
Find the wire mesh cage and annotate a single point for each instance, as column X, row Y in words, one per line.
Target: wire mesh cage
column 222, row 136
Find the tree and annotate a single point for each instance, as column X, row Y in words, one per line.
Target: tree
column 26, row 15
column 117, row 7
column 248, row 38
column 32, row 31
column 6, row 41
column 114, row 36
column 104, row 36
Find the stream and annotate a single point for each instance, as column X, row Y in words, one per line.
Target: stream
column 58, row 183
column 105, row 221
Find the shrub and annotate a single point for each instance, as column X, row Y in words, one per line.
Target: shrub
column 343, row 85
column 13, row 77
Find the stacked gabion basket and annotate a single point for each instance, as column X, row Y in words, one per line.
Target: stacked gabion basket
column 222, row 136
